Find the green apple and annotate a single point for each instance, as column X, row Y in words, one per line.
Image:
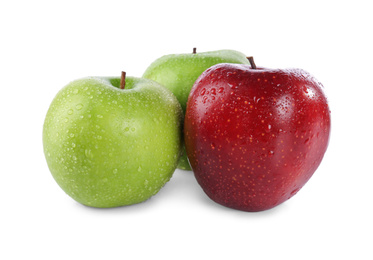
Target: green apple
column 178, row 72
column 107, row 146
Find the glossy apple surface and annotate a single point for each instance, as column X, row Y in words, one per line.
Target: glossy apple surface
column 178, row 72
column 109, row 147
column 254, row 137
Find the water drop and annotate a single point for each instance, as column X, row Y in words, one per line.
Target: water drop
column 268, row 128
column 115, row 171
column 88, row 153
column 139, row 169
column 294, row 191
column 79, row 106
column 70, row 112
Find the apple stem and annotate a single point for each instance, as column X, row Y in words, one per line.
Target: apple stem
column 123, row 80
column 194, row 50
column 252, row 63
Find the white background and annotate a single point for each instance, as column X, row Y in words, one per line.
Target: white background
column 46, row 44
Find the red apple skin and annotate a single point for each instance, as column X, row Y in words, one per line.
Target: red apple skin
column 254, row 137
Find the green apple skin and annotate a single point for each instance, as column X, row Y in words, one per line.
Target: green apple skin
column 110, row 147
column 178, row 72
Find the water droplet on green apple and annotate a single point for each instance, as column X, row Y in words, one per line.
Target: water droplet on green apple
column 70, row 112
column 88, row 153
column 115, row 171
column 139, row 169
column 79, row 106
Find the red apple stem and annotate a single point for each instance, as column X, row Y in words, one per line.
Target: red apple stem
column 123, row 80
column 194, row 50
column 252, row 63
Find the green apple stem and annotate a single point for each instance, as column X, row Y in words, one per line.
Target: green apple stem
column 123, row 80
column 252, row 63
column 194, row 50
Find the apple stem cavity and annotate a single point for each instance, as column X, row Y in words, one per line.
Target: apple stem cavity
column 123, row 80
column 194, row 50
column 252, row 63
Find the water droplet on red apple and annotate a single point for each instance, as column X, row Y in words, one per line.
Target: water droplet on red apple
column 294, row 192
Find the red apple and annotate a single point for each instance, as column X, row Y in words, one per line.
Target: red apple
column 255, row 136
